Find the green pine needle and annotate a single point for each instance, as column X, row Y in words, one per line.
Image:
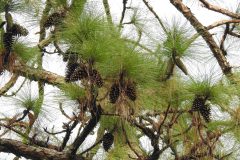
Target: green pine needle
column 73, row 91
column 215, row 92
column 26, row 100
column 27, row 54
column 179, row 37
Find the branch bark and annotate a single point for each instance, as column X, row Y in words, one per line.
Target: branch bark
column 219, row 23
column 218, row 54
column 96, row 114
column 219, row 9
column 38, row 74
column 31, row 152
column 9, row 84
column 107, row 11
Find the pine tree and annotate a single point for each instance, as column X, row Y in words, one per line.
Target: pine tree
column 146, row 82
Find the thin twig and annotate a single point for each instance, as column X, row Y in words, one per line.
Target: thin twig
column 64, row 113
column 165, row 117
column 222, row 22
column 54, row 133
column 223, row 39
column 95, row 144
column 123, row 12
column 219, row 9
column 68, row 134
column 156, row 16
column 19, row 88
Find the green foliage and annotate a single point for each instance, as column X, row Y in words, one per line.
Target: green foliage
column 119, row 152
column 179, row 37
column 59, row 3
column 221, row 125
column 27, row 54
column 73, row 91
column 94, row 39
column 26, row 100
column 109, row 122
column 19, row 5
column 83, row 33
column 174, row 92
column 121, row 130
column 216, row 92
column 77, row 7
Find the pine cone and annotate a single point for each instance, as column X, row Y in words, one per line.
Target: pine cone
column 198, row 103
column 130, row 91
column 54, row 19
column 18, row 30
column 97, row 78
column 78, row 74
column 114, row 93
column 107, row 140
column 205, row 111
column 8, row 40
column 71, row 67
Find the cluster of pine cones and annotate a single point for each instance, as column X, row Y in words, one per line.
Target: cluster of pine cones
column 55, row 19
column 9, row 37
column 77, row 71
column 200, row 106
column 128, row 88
column 13, row 30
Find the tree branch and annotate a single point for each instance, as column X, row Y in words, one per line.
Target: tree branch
column 221, row 59
column 123, row 11
column 8, row 85
column 38, row 74
column 31, row 152
column 107, row 11
column 156, row 16
column 96, row 114
column 219, row 9
column 219, row 23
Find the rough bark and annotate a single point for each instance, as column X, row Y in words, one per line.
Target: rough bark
column 219, row 9
column 218, row 54
column 38, row 74
column 8, row 85
column 31, row 152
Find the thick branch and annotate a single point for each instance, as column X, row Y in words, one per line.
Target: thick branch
column 222, row 61
column 38, row 74
column 89, row 127
column 31, row 152
column 219, row 9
